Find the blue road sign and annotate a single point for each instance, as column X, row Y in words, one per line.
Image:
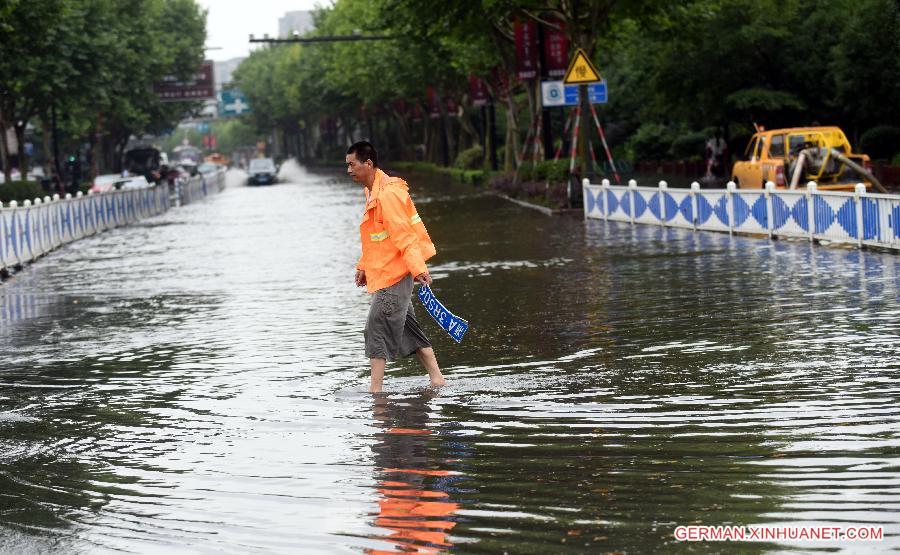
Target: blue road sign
column 597, row 93
column 233, row 103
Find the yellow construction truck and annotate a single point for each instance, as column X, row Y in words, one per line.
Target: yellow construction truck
column 792, row 157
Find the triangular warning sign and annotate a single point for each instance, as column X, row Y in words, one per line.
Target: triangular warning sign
column 581, row 70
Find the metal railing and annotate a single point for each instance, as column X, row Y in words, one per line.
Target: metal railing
column 35, row 228
column 860, row 217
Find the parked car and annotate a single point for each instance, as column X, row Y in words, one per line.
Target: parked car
column 209, row 167
column 113, row 181
column 145, row 161
column 137, row 182
column 794, row 156
column 218, row 158
column 262, row 171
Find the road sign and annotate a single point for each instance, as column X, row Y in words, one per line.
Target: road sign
column 199, row 86
column 556, row 93
column 597, row 92
column 233, row 103
column 581, row 71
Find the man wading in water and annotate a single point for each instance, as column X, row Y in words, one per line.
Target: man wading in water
column 395, row 246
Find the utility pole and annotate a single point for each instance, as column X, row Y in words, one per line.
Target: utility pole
column 586, row 155
column 547, row 114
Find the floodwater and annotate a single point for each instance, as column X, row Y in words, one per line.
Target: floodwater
column 196, row 384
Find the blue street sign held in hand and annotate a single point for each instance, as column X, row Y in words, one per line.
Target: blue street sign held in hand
column 454, row 325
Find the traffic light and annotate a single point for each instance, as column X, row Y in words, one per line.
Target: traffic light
column 73, row 166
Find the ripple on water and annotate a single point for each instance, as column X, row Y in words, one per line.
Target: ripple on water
column 197, row 382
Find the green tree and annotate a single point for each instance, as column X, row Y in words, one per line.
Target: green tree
column 96, row 62
column 865, row 64
column 35, row 48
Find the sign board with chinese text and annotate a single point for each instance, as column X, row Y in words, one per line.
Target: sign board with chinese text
column 201, row 86
column 526, row 49
column 556, row 50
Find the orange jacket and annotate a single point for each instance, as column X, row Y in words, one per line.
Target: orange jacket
column 394, row 239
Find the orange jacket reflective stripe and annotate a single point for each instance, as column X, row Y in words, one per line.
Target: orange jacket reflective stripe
column 393, row 236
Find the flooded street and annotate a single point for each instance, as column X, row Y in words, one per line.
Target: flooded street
column 196, row 383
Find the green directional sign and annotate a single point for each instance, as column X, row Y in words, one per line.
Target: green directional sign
column 233, row 103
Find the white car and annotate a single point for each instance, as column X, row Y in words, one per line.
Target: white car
column 114, row 181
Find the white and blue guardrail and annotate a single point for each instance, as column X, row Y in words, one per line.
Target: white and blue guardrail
column 860, row 218
column 35, row 228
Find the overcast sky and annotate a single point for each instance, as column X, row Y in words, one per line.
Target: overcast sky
column 230, row 23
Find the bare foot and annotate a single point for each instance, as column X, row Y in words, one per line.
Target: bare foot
column 438, row 382
column 375, row 390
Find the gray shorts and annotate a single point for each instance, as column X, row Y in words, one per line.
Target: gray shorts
column 392, row 330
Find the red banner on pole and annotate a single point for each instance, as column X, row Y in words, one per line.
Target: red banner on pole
column 478, row 92
column 434, row 109
column 452, row 107
column 556, row 50
column 526, row 49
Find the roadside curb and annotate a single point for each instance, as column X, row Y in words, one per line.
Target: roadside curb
column 542, row 209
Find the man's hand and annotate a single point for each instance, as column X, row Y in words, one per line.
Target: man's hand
column 360, row 278
column 423, row 278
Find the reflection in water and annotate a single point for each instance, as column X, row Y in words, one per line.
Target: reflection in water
column 16, row 305
column 416, row 505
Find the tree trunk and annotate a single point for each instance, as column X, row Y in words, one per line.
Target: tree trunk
column 120, row 152
column 401, row 133
column 467, row 129
column 23, row 158
column 97, row 147
column 4, row 151
column 492, row 134
column 446, row 143
column 510, row 162
column 426, row 137
column 46, row 140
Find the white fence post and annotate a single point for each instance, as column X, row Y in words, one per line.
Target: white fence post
column 604, row 188
column 770, row 224
column 859, row 193
column 811, row 213
column 695, row 202
column 584, row 192
column 632, row 190
column 730, row 187
column 663, row 187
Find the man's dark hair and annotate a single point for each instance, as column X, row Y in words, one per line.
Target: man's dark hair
column 364, row 151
